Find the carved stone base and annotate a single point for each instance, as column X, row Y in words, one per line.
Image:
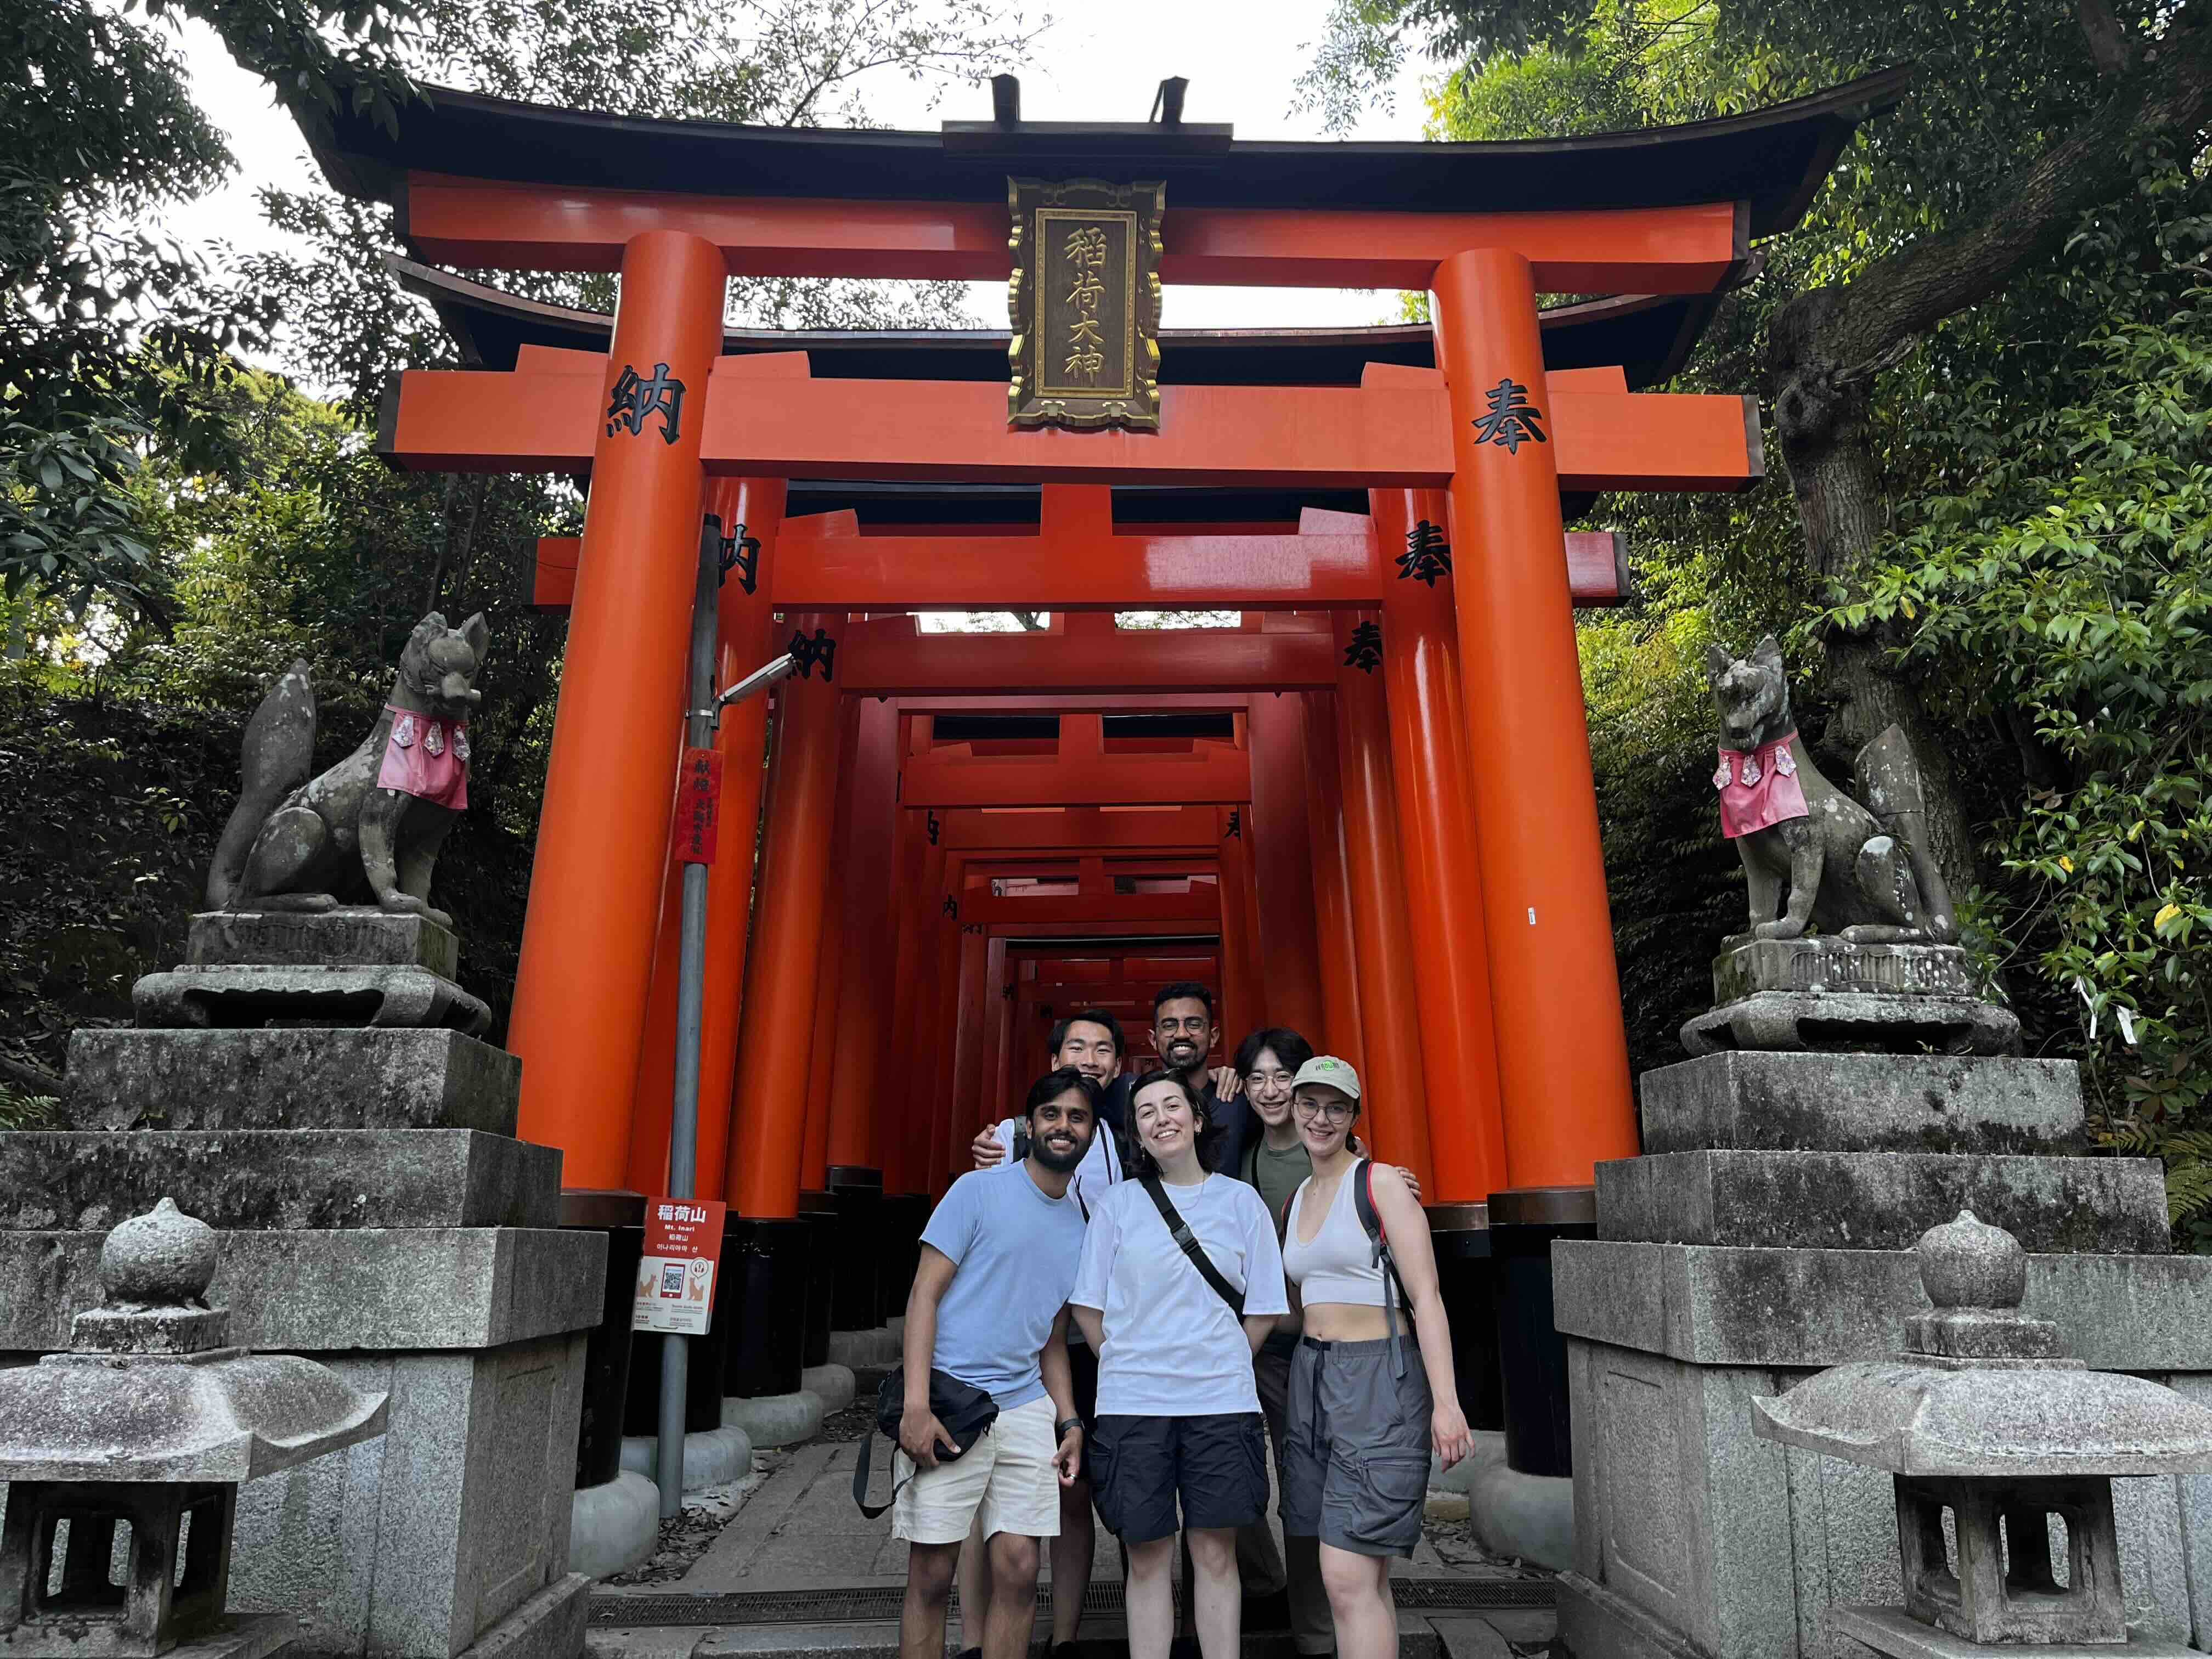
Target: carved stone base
column 355, row 935
column 1826, row 964
column 1855, row 1022
column 242, row 996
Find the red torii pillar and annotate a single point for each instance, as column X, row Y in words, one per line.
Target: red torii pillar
column 775, row 1040
column 1562, row 1048
column 745, row 638
column 1394, row 1097
column 588, row 934
column 1283, row 866
column 1442, row 857
column 1339, row 1030
column 866, row 876
column 814, row 1163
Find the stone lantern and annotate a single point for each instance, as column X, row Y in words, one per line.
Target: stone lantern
column 123, row 1457
column 1992, row 1435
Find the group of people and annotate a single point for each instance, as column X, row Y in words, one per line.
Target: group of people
column 1142, row 1271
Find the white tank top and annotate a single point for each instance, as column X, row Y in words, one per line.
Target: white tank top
column 1338, row 1264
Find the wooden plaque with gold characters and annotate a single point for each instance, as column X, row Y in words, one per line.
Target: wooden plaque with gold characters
column 1085, row 300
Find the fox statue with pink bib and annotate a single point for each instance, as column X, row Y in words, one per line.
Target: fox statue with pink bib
column 1812, row 856
column 370, row 827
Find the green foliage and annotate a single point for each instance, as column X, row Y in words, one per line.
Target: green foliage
column 111, row 338
column 2043, row 456
column 2187, row 1154
column 2060, row 589
column 21, row 1109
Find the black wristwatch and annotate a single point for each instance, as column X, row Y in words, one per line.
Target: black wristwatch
column 1059, row 1429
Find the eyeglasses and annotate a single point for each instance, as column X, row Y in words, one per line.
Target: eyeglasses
column 1267, row 1082
column 1196, row 1023
column 1330, row 1111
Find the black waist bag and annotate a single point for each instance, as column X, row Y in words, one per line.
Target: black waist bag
column 965, row 1412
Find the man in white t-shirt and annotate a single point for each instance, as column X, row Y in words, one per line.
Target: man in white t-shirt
column 1088, row 1042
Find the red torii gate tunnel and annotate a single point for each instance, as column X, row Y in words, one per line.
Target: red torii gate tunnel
column 1366, row 813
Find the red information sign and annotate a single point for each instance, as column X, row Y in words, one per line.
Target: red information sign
column 676, row 1274
column 696, row 805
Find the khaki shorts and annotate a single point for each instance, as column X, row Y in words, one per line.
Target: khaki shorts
column 1006, row 1480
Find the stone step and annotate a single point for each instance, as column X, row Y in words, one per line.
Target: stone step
column 279, row 1178
column 1863, row 1103
column 362, row 1077
column 375, row 1290
column 1881, row 1200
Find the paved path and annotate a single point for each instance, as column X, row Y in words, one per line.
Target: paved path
column 800, row 1531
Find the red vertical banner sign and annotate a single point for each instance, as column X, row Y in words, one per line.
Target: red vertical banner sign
column 696, row 804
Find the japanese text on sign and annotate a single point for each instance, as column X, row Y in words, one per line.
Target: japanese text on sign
column 676, row 1272
column 696, row 805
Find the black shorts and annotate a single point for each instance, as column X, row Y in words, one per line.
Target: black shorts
column 1216, row 1466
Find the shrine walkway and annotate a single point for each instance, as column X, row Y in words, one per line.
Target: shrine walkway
column 799, row 1571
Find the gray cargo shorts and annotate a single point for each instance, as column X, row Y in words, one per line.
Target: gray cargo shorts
column 1355, row 1461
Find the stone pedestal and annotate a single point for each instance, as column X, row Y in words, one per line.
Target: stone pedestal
column 1825, row 994
column 301, row 1086
column 1768, row 1237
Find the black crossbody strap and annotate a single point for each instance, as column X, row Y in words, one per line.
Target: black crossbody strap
column 1179, row 1229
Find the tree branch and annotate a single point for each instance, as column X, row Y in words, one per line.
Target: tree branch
column 1852, row 331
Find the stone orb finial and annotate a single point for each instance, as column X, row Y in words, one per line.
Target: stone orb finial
column 1967, row 1263
column 164, row 1258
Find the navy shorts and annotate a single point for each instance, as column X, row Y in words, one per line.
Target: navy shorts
column 1356, row 1455
column 1216, row 1466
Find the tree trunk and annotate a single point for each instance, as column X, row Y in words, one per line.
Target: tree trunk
column 1822, row 421
column 1826, row 347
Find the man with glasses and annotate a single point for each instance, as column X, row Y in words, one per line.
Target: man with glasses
column 1183, row 1033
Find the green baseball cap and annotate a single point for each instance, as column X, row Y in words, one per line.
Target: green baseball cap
column 1329, row 1069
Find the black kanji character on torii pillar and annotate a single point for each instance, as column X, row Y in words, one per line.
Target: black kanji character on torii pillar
column 806, row 653
column 1427, row 554
column 637, row 400
column 1365, row 651
column 1512, row 418
column 741, row 553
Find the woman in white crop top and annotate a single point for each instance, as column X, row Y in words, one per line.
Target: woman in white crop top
column 1370, row 1399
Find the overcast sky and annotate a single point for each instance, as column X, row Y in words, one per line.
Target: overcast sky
column 1098, row 61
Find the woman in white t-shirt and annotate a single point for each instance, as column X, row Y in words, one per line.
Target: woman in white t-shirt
column 1178, row 1416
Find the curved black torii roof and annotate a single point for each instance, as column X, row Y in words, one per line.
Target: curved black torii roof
column 1648, row 336
column 1773, row 158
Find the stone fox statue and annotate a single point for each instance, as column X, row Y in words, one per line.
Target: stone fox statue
column 369, row 827
column 1862, row 872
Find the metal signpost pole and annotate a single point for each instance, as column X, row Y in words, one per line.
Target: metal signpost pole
column 704, row 709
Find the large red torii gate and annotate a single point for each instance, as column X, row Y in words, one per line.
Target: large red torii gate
column 1453, row 785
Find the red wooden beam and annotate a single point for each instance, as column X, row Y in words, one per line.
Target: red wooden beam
column 1165, row 832
column 1110, row 572
column 1200, row 906
column 1330, row 437
column 1210, row 777
column 885, row 658
column 524, row 227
